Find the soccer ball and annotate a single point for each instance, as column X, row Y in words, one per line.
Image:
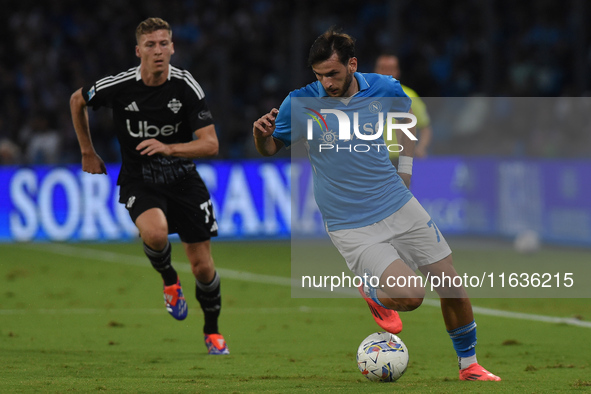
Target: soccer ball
column 382, row 357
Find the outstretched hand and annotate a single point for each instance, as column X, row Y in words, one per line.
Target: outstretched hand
column 265, row 125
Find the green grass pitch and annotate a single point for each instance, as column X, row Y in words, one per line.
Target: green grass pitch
column 90, row 317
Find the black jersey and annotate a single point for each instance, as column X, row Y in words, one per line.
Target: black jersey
column 170, row 113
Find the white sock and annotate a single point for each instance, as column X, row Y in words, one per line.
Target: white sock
column 465, row 362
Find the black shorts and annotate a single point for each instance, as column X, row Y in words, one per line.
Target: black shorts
column 185, row 203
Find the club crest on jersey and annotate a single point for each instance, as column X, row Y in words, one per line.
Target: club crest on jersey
column 375, row 107
column 174, row 105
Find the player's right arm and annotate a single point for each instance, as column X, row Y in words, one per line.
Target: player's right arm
column 262, row 131
column 91, row 161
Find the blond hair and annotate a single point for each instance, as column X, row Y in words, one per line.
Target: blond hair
column 150, row 25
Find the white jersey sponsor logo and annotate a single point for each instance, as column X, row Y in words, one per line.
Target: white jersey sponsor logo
column 145, row 130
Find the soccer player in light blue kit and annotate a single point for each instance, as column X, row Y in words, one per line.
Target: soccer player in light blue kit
column 372, row 218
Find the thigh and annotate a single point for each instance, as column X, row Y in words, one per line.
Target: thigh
column 139, row 198
column 369, row 255
column 153, row 228
column 366, row 250
column 399, row 281
column 152, row 220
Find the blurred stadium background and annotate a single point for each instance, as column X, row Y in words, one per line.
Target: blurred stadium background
column 488, row 60
column 506, row 84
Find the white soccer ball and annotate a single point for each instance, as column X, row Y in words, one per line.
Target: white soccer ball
column 382, row 357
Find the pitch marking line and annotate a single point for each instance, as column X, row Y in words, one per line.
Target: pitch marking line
column 141, row 261
column 112, row 257
column 160, row 311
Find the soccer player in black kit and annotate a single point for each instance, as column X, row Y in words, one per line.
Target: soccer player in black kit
column 162, row 122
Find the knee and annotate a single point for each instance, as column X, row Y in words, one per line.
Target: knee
column 202, row 266
column 155, row 238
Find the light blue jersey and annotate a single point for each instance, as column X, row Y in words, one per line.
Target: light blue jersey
column 355, row 184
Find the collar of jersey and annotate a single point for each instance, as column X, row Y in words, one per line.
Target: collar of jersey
column 138, row 72
column 363, row 85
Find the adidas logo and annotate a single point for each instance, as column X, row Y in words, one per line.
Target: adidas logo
column 170, row 299
column 132, row 107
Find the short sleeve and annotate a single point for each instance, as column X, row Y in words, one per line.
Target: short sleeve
column 283, row 123
column 403, row 104
column 102, row 93
column 199, row 114
column 97, row 98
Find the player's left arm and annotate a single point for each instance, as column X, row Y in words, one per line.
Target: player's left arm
column 406, row 156
column 206, row 145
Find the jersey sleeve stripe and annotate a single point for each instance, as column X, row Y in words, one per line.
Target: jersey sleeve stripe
column 191, row 82
column 188, row 78
column 111, row 80
column 115, row 82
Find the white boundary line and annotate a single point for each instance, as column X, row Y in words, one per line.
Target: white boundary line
column 112, row 257
column 571, row 321
column 141, row 261
column 160, row 311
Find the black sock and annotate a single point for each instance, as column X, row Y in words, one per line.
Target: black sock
column 210, row 299
column 161, row 263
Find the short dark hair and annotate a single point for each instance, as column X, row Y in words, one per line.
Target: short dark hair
column 332, row 41
column 151, row 25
